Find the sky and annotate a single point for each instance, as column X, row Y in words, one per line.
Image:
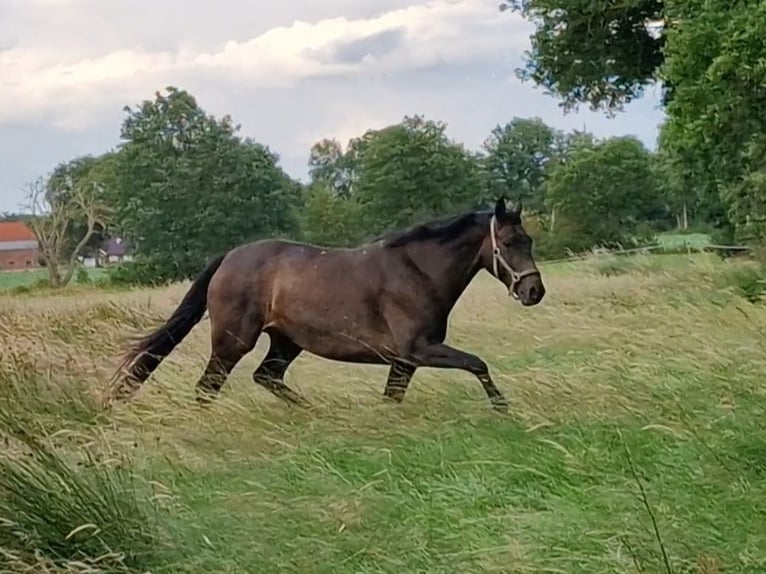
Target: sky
column 290, row 72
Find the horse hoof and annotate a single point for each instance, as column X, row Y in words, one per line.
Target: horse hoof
column 393, row 397
column 204, row 399
column 304, row 404
column 500, row 406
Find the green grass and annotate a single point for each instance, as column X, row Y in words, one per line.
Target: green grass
column 696, row 241
column 19, row 279
column 12, row 279
column 637, row 399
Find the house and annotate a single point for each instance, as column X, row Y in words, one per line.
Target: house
column 18, row 246
column 114, row 250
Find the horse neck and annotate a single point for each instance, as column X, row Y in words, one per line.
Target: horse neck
column 452, row 265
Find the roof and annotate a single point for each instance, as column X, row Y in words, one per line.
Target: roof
column 15, row 231
column 115, row 246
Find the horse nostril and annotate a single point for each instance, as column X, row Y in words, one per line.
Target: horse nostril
column 533, row 293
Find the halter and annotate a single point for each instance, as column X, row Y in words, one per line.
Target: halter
column 497, row 257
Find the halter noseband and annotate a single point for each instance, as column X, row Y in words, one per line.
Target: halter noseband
column 497, row 257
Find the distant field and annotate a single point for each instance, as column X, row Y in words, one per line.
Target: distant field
column 638, row 393
column 11, row 279
column 676, row 240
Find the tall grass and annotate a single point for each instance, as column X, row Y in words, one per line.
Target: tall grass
column 73, row 511
column 634, row 443
column 69, row 502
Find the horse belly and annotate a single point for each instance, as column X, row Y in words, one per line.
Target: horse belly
column 347, row 352
column 344, row 329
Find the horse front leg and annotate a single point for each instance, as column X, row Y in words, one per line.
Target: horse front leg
column 443, row 356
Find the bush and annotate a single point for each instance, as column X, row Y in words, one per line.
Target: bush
column 750, row 280
column 146, row 272
column 39, row 284
column 750, row 283
column 82, row 277
column 551, row 244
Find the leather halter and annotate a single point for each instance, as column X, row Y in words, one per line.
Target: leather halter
column 497, row 257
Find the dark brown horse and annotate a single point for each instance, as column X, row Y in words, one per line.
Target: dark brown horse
column 385, row 302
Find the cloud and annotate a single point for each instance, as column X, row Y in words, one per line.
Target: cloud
column 290, row 73
column 41, row 83
column 373, row 46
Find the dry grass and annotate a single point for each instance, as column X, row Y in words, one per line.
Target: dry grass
column 646, row 372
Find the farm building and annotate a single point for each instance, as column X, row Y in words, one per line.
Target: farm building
column 110, row 251
column 114, row 250
column 18, row 246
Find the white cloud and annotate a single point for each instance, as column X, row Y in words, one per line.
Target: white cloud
column 291, row 73
column 46, row 83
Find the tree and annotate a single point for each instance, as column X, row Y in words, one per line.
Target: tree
column 716, row 121
column 747, row 206
column 602, row 53
column 412, row 171
column 331, row 166
column 54, row 217
column 694, row 202
column 707, row 55
column 190, row 187
column 602, row 194
column 330, row 219
column 94, row 173
column 518, row 154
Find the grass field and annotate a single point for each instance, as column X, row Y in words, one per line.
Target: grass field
column 636, row 440
column 14, row 279
column 695, row 241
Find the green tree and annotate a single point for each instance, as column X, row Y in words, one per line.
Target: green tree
column 717, row 116
column 746, row 200
column 708, row 56
column 602, row 194
column 693, row 201
column 331, row 166
column 600, row 53
column 331, row 214
column 330, row 219
column 190, row 187
column 412, row 171
column 518, row 154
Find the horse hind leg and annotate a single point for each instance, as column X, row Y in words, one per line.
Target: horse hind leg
column 228, row 347
column 399, row 377
column 270, row 373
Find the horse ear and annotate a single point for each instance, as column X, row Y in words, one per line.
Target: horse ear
column 500, row 208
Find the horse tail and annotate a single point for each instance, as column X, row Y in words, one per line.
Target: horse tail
column 146, row 353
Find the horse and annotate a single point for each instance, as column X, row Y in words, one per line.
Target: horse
column 386, row 301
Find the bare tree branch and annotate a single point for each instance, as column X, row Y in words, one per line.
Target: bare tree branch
column 52, row 217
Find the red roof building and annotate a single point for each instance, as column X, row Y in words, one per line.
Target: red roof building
column 18, row 246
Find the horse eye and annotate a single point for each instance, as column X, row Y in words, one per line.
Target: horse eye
column 517, row 242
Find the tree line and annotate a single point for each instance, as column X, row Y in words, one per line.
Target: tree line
column 184, row 185
column 708, row 59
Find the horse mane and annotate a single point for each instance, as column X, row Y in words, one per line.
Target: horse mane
column 444, row 230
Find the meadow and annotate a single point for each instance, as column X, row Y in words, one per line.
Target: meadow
column 29, row 279
column 635, row 440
